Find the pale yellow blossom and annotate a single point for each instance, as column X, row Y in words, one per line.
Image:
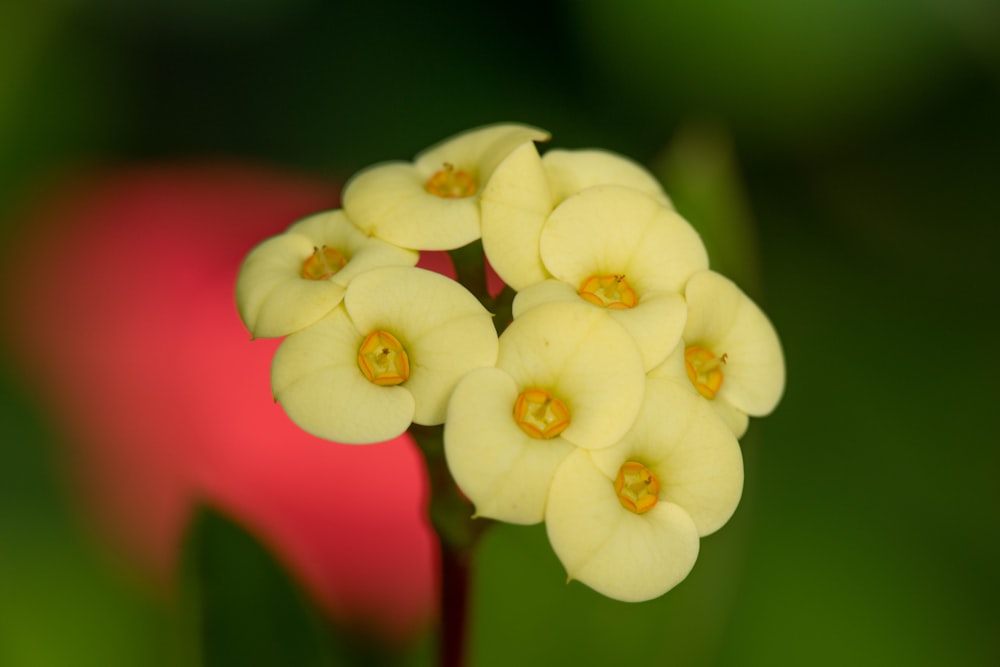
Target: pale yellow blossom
column 390, row 355
column 432, row 203
column 293, row 279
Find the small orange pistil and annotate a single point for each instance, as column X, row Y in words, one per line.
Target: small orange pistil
column 637, row 487
column 611, row 291
column 540, row 414
column 323, row 263
column 383, row 360
column 451, row 183
column 704, row 370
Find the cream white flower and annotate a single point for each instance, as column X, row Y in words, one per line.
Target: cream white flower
column 731, row 355
column 627, row 254
column 566, row 377
column 626, row 520
column 526, row 188
column 291, row 280
column 433, row 202
column 390, row 355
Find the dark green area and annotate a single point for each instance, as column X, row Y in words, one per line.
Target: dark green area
column 863, row 169
column 240, row 607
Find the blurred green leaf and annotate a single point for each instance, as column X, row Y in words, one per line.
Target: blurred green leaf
column 701, row 174
column 61, row 601
column 242, row 608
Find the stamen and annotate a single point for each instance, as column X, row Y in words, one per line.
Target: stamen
column 383, row 360
column 704, row 370
column 611, row 291
column 637, row 487
column 323, row 263
column 540, row 414
column 451, row 183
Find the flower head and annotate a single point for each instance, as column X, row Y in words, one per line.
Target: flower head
column 626, row 520
column 566, row 377
column 389, row 356
column 731, row 355
column 433, row 202
column 291, row 280
column 625, row 253
column 526, row 188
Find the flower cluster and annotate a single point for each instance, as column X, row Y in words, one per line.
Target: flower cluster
column 610, row 404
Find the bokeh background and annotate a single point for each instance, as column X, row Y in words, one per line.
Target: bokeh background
column 841, row 157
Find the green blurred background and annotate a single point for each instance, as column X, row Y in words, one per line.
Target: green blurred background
column 842, row 158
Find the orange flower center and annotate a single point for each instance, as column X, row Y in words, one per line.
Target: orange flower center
column 451, row 183
column 611, row 291
column 540, row 414
column 637, row 487
column 323, row 263
column 383, row 360
column 704, row 370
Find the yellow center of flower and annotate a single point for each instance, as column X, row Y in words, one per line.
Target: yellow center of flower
column 611, row 291
column 383, row 360
column 323, row 263
column 451, row 183
column 637, row 487
column 704, row 370
column 540, row 414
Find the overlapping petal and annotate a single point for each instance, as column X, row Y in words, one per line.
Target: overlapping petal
column 272, row 296
column 391, row 200
column 728, row 325
column 505, row 472
column 480, row 150
column 626, row 556
column 443, row 330
column 655, row 323
column 692, row 452
column 672, row 369
column 618, row 230
column 514, row 206
column 526, row 188
column 316, row 379
column 586, row 361
column 573, row 171
column 723, row 319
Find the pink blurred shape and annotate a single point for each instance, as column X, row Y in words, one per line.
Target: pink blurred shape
column 118, row 296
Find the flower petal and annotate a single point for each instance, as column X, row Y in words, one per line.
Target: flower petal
column 588, row 361
column 442, row 357
column 723, row 319
column 617, row 230
column 570, row 172
column 445, row 331
column 502, row 470
column 389, row 201
column 626, row 556
column 515, row 204
column 672, row 369
column 316, row 378
column 692, row 452
column 362, row 252
column 655, row 323
column 478, row 151
column 547, row 291
column 272, row 296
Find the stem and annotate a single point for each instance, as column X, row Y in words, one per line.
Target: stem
column 454, row 605
column 451, row 516
column 450, row 512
